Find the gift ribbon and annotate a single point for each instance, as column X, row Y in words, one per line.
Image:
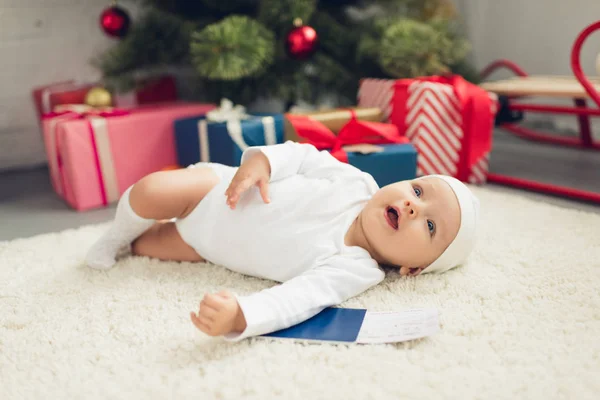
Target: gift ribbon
column 355, row 132
column 477, row 119
column 99, row 138
column 233, row 117
column 105, row 165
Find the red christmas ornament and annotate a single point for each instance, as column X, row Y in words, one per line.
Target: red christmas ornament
column 302, row 41
column 115, row 21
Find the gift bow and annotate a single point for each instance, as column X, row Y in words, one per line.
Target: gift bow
column 227, row 112
column 81, row 111
column 355, row 132
column 232, row 116
column 100, row 141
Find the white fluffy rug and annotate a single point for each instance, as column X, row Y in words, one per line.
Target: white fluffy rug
column 521, row 321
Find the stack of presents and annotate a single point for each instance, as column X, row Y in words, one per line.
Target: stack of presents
column 399, row 129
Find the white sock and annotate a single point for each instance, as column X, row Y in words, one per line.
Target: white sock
column 126, row 227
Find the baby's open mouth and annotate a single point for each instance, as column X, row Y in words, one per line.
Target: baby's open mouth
column 391, row 215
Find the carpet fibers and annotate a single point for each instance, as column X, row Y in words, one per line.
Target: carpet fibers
column 520, row 321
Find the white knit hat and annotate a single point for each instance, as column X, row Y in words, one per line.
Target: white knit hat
column 463, row 243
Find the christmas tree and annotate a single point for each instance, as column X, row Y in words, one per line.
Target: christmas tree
column 244, row 49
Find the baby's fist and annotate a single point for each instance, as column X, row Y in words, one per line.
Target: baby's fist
column 219, row 314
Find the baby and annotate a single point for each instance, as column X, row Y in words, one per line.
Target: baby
column 295, row 215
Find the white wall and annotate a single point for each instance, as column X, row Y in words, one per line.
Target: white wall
column 41, row 41
column 535, row 34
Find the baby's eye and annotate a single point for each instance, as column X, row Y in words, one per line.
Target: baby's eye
column 431, row 227
column 417, row 190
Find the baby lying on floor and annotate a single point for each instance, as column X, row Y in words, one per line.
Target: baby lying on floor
column 294, row 215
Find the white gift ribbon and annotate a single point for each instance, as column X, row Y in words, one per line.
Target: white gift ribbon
column 233, row 116
column 107, row 164
column 269, row 130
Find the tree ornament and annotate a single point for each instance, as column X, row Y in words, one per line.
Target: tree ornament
column 115, row 21
column 302, row 41
column 98, row 97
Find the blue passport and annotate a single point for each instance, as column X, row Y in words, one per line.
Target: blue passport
column 331, row 324
column 354, row 325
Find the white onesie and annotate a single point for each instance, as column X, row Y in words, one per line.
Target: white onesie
column 297, row 239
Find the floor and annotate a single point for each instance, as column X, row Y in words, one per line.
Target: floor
column 28, row 206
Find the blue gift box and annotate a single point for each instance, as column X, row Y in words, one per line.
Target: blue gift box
column 395, row 163
column 197, row 139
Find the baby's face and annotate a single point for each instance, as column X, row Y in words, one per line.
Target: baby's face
column 410, row 223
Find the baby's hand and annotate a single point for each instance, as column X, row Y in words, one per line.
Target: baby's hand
column 254, row 171
column 219, row 314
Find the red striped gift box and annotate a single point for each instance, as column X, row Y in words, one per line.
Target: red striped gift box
column 449, row 120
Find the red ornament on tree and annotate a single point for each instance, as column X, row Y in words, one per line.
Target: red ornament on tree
column 115, row 21
column 302, row 41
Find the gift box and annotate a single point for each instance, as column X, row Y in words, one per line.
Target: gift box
column 95, row 155
column 375, row 148
column 223, row 134
column 386, row 163
column 161, row 89
column 47, row 97
column 449, row 120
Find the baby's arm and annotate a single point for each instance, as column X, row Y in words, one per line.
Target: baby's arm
column 296, row 300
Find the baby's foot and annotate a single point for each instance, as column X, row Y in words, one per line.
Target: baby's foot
column 126, row 227
column 103, row 254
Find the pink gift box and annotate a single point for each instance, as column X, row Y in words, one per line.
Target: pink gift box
column 94, row 156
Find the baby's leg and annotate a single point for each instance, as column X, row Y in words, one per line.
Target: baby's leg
column 158, row 196
column 163, row 241
column 171, row 194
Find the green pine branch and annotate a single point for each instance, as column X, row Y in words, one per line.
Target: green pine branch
column 233, row 48
column 334, row 38
column 279, row 15
column 411, row 48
